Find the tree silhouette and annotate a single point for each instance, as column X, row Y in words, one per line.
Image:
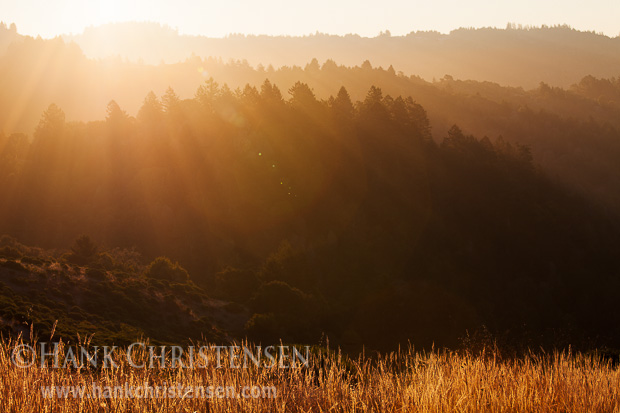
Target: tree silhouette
column 170, row 100
column 342, row 108
column 164, row 269
column 366, row 65
column 207, row 94
column 115, row 116
column 302, row 97
column 84, row 250
column 52, row 122
column 151, row 111
column 270, row 93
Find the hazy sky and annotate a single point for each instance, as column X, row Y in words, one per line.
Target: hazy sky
column 368, row 18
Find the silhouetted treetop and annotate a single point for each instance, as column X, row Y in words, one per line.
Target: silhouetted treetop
column 151, row 110
column 52, row 122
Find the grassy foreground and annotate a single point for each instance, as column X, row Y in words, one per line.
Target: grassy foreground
column 398, row 382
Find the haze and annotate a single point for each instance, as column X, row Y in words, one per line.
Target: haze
column 425, row 195
column 278, row 17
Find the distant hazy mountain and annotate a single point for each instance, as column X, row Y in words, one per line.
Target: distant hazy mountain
column 560, row 56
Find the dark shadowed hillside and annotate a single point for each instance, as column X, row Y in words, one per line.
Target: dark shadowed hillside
column 111, row 295
column 321, row 217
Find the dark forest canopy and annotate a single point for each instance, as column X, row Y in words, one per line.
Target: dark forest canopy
column 325, row 216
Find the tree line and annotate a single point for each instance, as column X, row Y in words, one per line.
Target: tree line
column 326, row 216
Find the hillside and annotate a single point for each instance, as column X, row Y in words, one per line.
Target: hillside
column 573, row 133
column 334, row 217
column 279, row 206
column 524, row 57
column 109, row 296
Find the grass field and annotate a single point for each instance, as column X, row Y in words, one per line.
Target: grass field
column 395, row 382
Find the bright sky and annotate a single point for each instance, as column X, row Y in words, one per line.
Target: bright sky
column 365, row 17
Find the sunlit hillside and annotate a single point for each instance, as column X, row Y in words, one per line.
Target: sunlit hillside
column 427, row 221
column 572, row 132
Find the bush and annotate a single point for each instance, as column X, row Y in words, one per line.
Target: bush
column 128, row 260
column 280, row 298
column 237, row 285
column 7, row 240
column 164, row 269
column 10, row 252
column 31, row 260
column 203, row 324
column 263, row 328
column 83, row 251
column 14, row 265
column 95, row 274
column 105, row 261
column 288, row 265
column 234, row 308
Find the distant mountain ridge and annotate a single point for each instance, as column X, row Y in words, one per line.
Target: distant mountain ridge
column 558, row 55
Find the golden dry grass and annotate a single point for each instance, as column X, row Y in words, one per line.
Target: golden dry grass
column 404, row 381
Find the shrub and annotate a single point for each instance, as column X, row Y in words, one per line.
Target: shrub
column 128, row 260
column 202, row 324
column 263, row 328
column 95, row 274
column 280, row 298
column 31, row 260
column 105, row 261
column 234, row 308
column 10, row 252
column 14, row 265
column 7, row 240
column 164, row 269
column 237, row 285
column 83, row 251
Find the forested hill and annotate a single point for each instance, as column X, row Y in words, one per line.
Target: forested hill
column 339, row 217
column 513, row 56
column 573, row 133
column 322, row 199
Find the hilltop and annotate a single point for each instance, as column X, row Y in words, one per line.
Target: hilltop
column 514, row 56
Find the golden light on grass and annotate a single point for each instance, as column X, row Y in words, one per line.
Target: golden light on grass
column 396, row 382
